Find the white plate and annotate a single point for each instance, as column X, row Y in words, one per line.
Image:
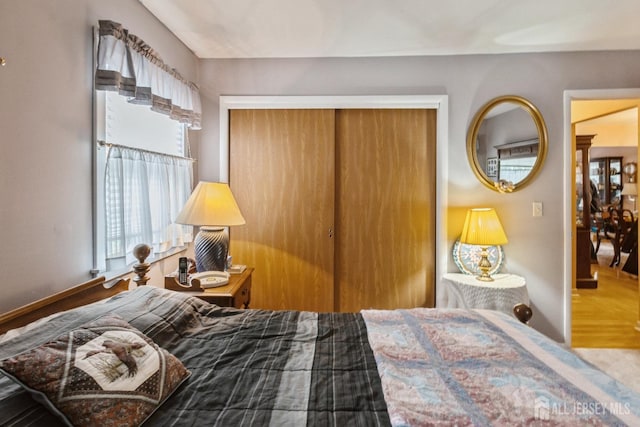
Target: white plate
column 467, row 257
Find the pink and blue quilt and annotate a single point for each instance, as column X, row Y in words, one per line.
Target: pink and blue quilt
column 463, row 368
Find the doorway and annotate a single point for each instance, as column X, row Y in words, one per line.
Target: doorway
column 607, row 316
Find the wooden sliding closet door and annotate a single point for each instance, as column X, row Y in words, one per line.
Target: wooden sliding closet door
column 282, row 174
column 385, row 192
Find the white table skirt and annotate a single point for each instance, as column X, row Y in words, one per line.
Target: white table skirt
column 465, row 291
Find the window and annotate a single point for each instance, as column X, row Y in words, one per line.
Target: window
column 516, row 159
column 516, row 169
column 143, row 177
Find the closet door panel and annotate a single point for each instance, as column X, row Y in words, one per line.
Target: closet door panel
column 385, row 232
column 282, row 174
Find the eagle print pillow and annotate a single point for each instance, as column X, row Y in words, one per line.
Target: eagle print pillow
column 104, row 373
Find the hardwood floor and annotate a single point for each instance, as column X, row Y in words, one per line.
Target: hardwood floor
column 606, row 317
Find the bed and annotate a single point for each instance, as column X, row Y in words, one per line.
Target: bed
column 208, row 365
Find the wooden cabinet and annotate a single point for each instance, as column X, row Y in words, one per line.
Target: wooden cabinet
column 606, row 173
column 339, row 206
column 584, row 278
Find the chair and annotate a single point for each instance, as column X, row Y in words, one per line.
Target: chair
column 622, row 224
column 630, row 245
column 601, row 226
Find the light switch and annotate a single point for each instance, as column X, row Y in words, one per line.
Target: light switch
column 537, row 208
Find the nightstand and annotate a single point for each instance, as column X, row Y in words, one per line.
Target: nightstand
column 465, row 291
column 237, row 293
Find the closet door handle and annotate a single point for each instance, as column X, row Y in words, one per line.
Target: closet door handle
column 331, row 233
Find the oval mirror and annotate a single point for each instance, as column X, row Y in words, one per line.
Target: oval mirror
column 507, row 143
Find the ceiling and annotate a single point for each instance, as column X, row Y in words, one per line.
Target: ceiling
column 598, row 110
column 356, row 28
column 617, row 128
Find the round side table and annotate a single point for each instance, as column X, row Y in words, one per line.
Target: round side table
column 465, row 291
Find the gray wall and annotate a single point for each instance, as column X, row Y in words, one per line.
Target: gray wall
column 535, row 248
column 45, row 122
column 45, row 133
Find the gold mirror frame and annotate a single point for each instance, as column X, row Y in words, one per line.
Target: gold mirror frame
column 472, row 136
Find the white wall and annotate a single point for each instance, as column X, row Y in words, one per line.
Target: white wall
column 45, row 138
column 535, row 248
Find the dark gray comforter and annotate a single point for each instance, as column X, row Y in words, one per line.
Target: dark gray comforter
column 249, row 367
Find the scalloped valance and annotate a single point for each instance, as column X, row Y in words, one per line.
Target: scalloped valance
column 128, row 65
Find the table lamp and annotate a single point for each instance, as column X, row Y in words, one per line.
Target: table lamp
column 630, row 190
column 482, row 227
column 212, row 207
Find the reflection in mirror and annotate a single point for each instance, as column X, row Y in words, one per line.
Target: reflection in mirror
column 507, row 143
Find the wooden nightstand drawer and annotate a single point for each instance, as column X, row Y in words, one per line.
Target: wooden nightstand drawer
column 237, row 293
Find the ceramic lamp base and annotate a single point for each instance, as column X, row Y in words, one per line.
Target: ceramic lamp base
column 211, row 247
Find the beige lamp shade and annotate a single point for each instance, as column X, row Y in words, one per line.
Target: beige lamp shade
column 211, row 204
column 482, row 227
column 630, row 189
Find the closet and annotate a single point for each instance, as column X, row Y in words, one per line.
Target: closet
column 339, row 205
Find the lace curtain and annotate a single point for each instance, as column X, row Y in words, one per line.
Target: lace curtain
column 128, row 65
column 144, row 191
